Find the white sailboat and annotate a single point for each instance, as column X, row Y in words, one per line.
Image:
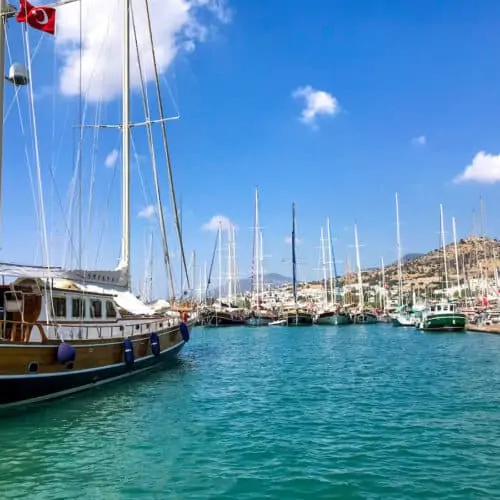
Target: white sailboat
column 259, row 316
column 362, row 315
column 331, row 313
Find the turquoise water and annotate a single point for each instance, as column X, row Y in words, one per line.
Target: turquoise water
column 276, row 413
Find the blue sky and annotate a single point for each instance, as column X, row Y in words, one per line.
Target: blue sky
column 416, row 93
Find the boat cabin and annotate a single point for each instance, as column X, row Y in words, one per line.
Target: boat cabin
column 26, row 301
column 443, row 308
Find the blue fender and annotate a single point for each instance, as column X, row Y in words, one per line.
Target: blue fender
column 154, row 341
column 184, row 331
column 65, row 353
column 128, row 352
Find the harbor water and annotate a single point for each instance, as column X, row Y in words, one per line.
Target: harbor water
column 275, row 413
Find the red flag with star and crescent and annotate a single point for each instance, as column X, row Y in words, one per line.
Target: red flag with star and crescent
column 39, row 17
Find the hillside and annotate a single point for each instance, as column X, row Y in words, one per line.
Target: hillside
column 427, row 270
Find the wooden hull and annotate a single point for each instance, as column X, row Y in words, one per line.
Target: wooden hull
column 222, row 319
column 365, row 319
column 259, row 320
column 95, row 363
column 333, row 319
column 299, row 319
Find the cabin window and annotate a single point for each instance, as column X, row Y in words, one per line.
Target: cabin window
column 95, row 308
column 438, row 308
column 110, row 309
column 77, row 308
column 59, row 307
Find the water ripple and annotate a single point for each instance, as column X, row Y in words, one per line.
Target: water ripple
column 306, row 413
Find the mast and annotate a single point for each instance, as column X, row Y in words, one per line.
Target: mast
column 234, row 268
column 456, row 251
column 323, row 265
column 358, row 264
column 3, row 22
column 205, row 281
column 194, row 271
column 400, row 272
column 255, row 256
column 125, row 251
column 331, row 262
column 220, row 260
column 443, row 244
column 383, row 283
column 294, row 262
column 261, row 264
column 229, row 264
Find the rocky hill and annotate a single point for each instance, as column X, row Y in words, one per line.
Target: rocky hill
column 475, row 256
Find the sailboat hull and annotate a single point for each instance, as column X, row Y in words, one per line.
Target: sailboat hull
column 333, row 319
column 299, row 319
column 222, row 319
column 95, row 364
column 259, row 320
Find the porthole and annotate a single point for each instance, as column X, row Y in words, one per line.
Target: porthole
column 33, row 367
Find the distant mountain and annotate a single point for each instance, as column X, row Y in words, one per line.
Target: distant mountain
column 245, row 284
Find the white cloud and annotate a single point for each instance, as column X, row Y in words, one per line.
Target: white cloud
column 147, row 212
column 177, row 25
column 218, row 221
column 421, row 141
column 112, row 158
column 288, row 240
column 317, row 102
column 484, row 168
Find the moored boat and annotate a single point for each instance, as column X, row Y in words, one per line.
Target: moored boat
column 443, row 316
column 65, row 337
column 333, row 318
column 299, row 317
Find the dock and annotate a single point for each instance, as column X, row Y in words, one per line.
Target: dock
column 483, row 328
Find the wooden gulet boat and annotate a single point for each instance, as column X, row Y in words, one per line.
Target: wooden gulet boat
column 64, row 331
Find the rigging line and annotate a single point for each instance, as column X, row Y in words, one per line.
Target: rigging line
column 39, row 173
column 165, row 145
column 106, row 211
column 26, row 152
column 95, row 148
column 160, row 213
column 80, row 164
column 212, row 265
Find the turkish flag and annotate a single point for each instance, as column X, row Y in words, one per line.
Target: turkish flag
column 41, row 18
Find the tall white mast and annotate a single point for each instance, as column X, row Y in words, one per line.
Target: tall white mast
column 456, row 251
column 443, row 244
column 330, row 261
column 234, row 267
column 383, row 283
column 125, row 251
column 3, row 25
column 205, row 280
column 261, row 263
column 229, row 264
column 400, row 271
column 194, row 271
column 358, row 264
column 323, row 265
column 220, row 260
column 256, row 257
